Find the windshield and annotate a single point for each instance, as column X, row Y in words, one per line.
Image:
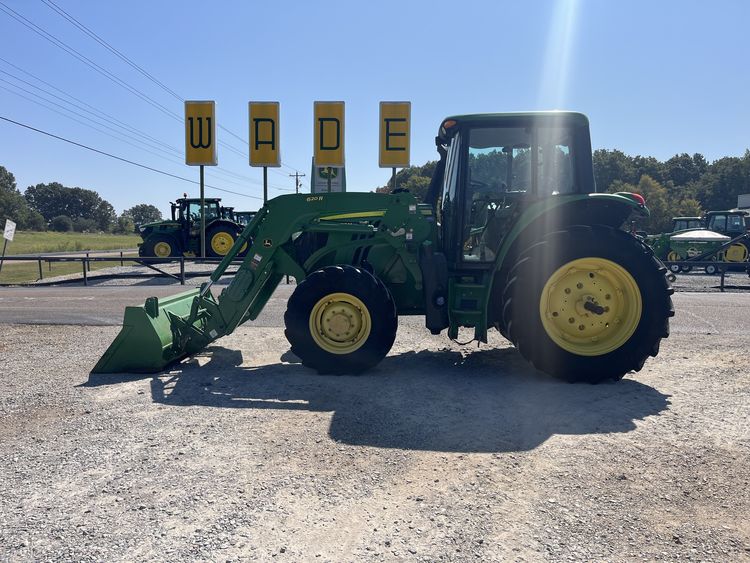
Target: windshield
column 521, row 159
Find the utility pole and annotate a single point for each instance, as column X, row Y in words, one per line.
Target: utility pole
column 297, row 183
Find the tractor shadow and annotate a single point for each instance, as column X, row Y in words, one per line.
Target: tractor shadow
column 484, row 401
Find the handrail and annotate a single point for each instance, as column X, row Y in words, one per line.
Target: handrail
column 147, row 261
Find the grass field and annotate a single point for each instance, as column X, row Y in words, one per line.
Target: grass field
column 25, row 272
column 49, row 242
column 41, row 242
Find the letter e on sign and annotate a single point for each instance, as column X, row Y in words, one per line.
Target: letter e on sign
column 200, row 133
column 395, row 134
column 329, row 134
column 264, row 134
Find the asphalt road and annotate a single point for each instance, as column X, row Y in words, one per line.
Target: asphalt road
column 696, row 313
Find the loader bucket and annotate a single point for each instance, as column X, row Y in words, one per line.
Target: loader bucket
column 144, row 344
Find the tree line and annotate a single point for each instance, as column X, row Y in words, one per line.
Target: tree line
column 683, row 185
column 60, row 208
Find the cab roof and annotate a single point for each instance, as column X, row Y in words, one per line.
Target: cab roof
column 569, row 118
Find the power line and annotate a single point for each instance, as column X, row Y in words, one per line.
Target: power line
column 98, row 68
column 88, row 31
column 74, row 53
column 110, row 48
column 122, row 159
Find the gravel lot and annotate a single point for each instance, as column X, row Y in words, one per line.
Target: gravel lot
column 441, row 453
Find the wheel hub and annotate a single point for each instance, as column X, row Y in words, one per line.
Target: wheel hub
column 590, row 306
column 221, row 243
column 162, row 249
column 340, row 323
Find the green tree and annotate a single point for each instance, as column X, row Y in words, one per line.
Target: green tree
column 657, row 201
column 143, row 213
column 124, row 225
column 416, row 179
column 725, row 179
column 13, row 206
column 683, row 169
column 611, row 166
column 104, row 216
column 54, row 199
column 62, row 223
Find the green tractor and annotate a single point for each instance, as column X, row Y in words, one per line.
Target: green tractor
column 180, row 236
column 511, row 236
column 244, row 217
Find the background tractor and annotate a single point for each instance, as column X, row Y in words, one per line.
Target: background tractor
column 180, row 236
column 511, row 236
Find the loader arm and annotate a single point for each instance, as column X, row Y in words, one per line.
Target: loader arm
column 161, row 333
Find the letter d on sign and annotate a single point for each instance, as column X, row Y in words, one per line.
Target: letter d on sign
column 329, row 134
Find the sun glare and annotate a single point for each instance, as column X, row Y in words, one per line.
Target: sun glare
column 556, row 67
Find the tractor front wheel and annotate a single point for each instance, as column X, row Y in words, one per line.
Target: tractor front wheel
column 587, row 304
column 341, row 320
column 160, row 246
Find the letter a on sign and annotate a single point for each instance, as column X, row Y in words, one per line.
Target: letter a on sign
column 200, row 133
column 264, row 134
column 329, row 134
column 395, row 134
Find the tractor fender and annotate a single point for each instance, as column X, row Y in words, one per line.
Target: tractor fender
column 228, row 225
column 553, row 214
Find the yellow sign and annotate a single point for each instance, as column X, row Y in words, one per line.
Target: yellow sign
column 329, row 134
column 200, row 133
column 395, row 134
column 264, row 134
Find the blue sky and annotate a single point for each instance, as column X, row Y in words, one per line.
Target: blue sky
column 655, row 78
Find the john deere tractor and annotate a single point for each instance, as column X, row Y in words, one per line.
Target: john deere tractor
column 511, row 236
column 181, row 235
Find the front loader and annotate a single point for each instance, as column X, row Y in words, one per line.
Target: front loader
column 512, row 236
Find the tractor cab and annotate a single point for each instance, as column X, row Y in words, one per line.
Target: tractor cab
column 732, row 223
column 496, row 166
column 244, row 217
column 686, row 223
column 228, row 213
column 188, row 211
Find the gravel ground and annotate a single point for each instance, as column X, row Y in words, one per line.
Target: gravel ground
column 441, row 453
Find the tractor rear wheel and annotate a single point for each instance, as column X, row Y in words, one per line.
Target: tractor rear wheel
column 341, row 320
column 587, row 304
column 218, row 241
column 160, row 246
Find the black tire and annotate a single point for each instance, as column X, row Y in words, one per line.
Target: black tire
column 217, row 241
column 154, row 242
column 365, row 287
column 685, row 269
column 524, row 290
column 712, row 269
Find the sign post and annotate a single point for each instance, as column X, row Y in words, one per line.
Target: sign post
column 200, row 147
column 395, row 136
column 329, row 136
column 8, row 234
column 264, row 138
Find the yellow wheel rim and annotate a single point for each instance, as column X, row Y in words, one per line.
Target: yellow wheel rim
column 340, row 323
column 590, row 306
column 736, row 253
column 673, row 256
column 163, row 249
column 221, row 242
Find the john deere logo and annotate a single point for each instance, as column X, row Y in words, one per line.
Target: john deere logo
column 327, row 172
column 267, row 242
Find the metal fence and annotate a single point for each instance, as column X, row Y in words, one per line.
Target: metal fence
column 151, row 263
